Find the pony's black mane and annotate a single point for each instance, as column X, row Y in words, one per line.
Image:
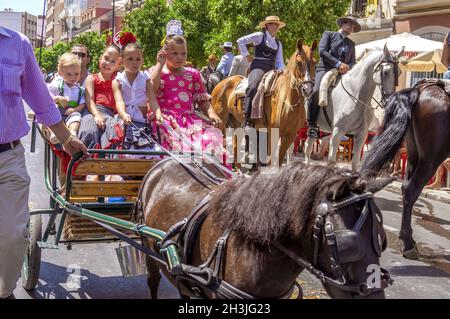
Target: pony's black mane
column 269, row 207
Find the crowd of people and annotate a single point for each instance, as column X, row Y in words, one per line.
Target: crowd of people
column 86, row 110
column 122, row 96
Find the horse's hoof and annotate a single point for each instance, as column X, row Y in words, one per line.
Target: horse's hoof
column 412, row 253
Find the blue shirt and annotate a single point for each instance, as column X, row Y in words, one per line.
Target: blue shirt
column 224, row 66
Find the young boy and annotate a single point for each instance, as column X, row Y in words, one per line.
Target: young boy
column 67, row 93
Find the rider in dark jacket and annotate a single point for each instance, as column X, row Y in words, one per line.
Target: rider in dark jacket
column 336, row 51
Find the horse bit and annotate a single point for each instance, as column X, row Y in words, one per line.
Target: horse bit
column 340, row 244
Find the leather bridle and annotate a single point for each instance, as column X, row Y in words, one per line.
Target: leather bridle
column 336, row 240
column 384, row 95
column 301, row 85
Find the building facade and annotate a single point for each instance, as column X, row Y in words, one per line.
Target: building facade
column 54, row 25
column 40, row 32
column 63, row 19
column 23, row 22
column 375, row 17
column 427, row 19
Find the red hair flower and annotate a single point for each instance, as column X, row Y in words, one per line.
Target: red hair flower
column 126, row 37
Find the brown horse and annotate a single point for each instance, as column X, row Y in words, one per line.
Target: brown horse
column 318, row 218
column 421, row 115
column 284, row 109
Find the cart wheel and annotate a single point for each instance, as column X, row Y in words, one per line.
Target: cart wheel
column 32, row 261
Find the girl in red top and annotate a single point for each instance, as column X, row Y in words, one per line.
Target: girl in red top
column 97, row 126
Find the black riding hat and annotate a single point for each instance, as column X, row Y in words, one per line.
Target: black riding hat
column 350, row 19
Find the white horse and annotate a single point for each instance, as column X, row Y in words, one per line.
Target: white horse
column 349, row 104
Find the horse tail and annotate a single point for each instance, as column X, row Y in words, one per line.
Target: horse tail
column 396, row 121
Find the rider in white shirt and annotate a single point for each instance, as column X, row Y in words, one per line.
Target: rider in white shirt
column 268, row 56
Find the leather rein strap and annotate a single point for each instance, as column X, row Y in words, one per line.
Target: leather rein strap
column 323, row 225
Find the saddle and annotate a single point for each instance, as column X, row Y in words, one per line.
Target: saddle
column 268, row 80
column 443, row 83
column 329, row 81
column 265, row 89
column 240, row 89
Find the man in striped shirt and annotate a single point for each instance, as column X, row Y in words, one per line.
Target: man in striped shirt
column 20, row 78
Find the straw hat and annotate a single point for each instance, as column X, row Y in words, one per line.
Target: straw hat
column 226, row 45
column 350, row 19
column 272, row 19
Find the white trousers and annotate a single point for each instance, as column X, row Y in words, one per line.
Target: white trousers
column 14, row 214
column 255, row 77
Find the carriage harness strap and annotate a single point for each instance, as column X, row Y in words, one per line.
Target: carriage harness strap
column 184, row 234
column 206, row 276
column 336, row 243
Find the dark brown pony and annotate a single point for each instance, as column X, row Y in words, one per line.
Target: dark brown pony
column 284, row 109
column 421, row 115
column 263, row 212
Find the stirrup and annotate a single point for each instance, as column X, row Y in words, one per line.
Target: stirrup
column 248, row 123
column 313, row 132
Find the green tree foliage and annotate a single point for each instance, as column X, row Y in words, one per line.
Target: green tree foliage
column 49, row 56
column 208, row 23
column 148, row 24
column 94, row 41
column 196, row 25
column 96, row 44
column 305, row 19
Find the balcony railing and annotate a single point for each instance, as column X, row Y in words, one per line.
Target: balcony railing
column 371, row 8
column 364, row 8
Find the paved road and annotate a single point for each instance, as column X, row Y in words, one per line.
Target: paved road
column 101, row 276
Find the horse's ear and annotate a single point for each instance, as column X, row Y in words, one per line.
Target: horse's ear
column 352, row 183
column 386, row 52
column 299, row 44
column 338, row 190
column 375, row 185
column 314, row 45
column 399, row 54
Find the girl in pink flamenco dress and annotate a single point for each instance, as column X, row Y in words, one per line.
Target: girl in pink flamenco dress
column 177, row 89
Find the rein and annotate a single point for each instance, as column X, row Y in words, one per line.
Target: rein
column 298, row 84
column 381, row 86
column 182, row 161
column 324, row 226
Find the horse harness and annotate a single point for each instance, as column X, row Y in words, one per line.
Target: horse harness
column 383, row 93
column 207, row 277
column 345, row 245
column 426, row 83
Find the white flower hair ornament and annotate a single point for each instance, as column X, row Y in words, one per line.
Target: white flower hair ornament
column 173, row 27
